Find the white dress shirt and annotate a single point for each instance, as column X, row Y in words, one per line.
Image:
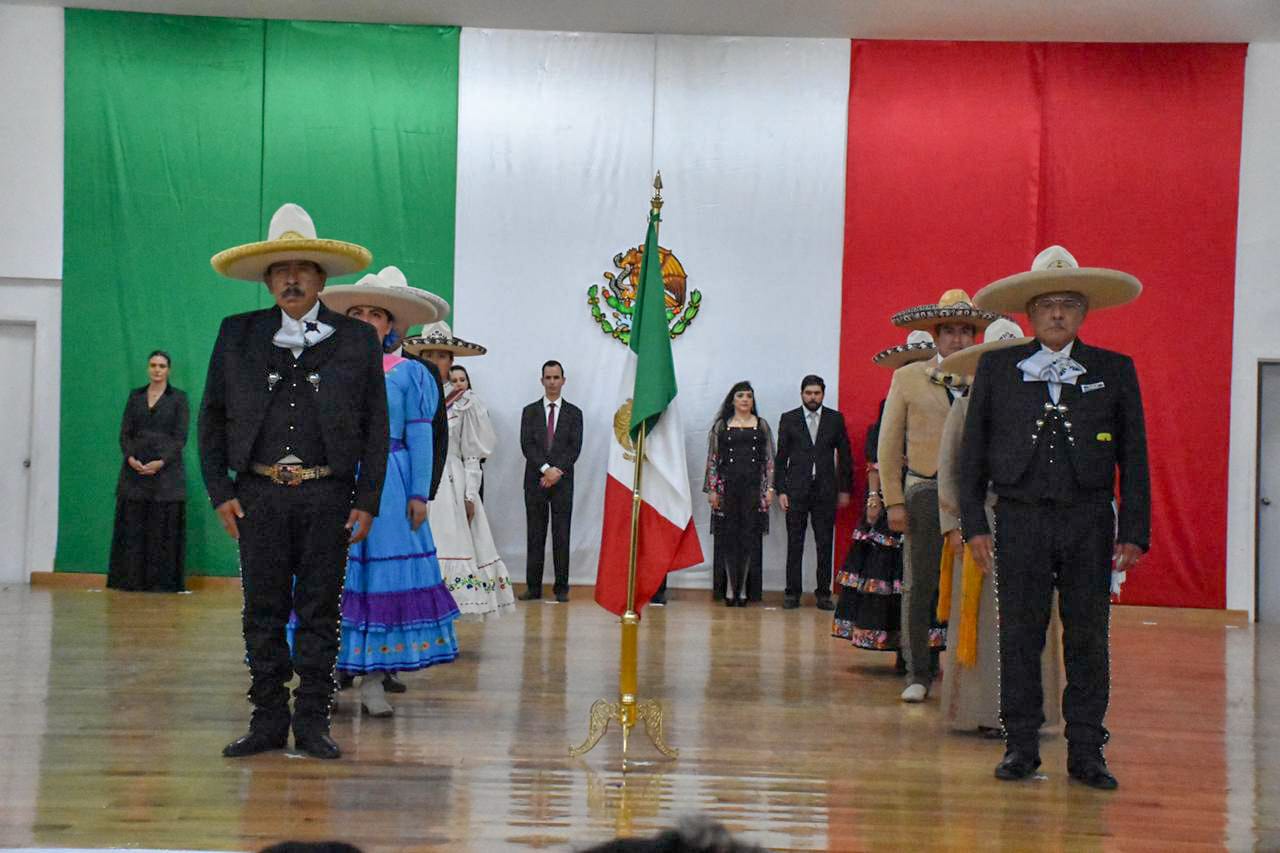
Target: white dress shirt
column 297, row 335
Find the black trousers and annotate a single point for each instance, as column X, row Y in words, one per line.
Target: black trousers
column 293, row 556
column 1039, row 546
column 821, row 510
column 556, row 504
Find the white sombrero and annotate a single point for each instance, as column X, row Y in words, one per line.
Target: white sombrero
column 999, row 335
column 390, row 291
column 919, row 347
column 955, row 306
column 438, row 337
column 1055, row 271
column 291, row 236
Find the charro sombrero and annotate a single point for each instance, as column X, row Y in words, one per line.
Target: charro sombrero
column 1000, row 334
column 438, row 337
column 919, row 347
column 1055, row 271
column 955, row 306
column 291, row 236
column 390, row 291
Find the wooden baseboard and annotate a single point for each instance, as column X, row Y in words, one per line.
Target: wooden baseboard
column 1127, row 613
column 98, row 580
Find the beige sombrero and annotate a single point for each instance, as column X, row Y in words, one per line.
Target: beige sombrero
column 390, row 291
column 955, row 306
column 919, row 347
column 999, row 335
column 291, row 236
column 1055, row 271
column 438, row 337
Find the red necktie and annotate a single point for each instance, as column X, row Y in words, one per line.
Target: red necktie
column 551, row 425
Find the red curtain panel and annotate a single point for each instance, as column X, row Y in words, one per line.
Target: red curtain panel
column 967, row 158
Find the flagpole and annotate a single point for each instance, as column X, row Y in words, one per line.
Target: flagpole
column 627, row 711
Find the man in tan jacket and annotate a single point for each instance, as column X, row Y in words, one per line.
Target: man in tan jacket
column 910, row 432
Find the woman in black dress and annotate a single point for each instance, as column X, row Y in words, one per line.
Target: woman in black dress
column 739, row 485
column 149, row 542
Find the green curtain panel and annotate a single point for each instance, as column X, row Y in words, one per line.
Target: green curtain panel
column 361, row 128
column 183, row 135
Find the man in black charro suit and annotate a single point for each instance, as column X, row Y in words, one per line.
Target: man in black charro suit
column 1050, row 426
column 295, row 408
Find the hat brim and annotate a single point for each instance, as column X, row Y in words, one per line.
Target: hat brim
column 1103, row 288
column 926, row 318
column 251, row 261
column 409, row 306
column 418, row 347
column 904, row 354
column 965, row 362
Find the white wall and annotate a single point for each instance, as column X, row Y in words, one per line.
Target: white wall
column 1257, row 309
column 31, row 61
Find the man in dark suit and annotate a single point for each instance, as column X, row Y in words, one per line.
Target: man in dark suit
column 551, row 439
column 813, row 473
column 1050, row 425
column 293, row 447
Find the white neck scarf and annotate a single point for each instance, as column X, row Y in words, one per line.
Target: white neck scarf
column 297, row 335
column 1055, row 368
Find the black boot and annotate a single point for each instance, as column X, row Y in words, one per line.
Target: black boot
column 1019, row 762
column 311, row 737
column 1087, row 766
column 268, row 730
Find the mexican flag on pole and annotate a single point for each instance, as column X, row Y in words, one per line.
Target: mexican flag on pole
column 667, row 539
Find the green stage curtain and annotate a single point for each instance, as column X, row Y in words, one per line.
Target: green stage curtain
column 183, row 135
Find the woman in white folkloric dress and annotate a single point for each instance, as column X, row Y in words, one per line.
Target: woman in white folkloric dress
column 474, row 573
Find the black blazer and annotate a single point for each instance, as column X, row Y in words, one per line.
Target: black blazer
column 1106, row 421
column 533, row 441
column 352, row 401
column 793, row 467
column 148, row 434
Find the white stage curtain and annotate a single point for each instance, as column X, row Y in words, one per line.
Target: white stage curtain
column 559, row 135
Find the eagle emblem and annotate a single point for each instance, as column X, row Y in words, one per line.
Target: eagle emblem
column 613, row 302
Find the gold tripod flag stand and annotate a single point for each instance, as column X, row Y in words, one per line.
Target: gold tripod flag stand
column 627, row 711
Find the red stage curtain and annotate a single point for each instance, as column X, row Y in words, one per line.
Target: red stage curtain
column 965, row 159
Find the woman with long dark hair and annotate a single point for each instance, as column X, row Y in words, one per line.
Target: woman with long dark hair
column 739, row 484
column 148, row 544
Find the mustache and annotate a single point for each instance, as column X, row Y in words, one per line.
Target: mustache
column 292, row 290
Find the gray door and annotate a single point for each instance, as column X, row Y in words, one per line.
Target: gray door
column 1267, row 607
column 17, row 359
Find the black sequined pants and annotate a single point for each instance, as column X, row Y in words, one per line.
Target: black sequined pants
column 293, row 556
column 1039, row 546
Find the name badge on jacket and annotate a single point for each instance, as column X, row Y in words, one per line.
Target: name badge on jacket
column 1092, row 386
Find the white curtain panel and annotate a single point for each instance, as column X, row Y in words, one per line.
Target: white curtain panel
column 559, row 135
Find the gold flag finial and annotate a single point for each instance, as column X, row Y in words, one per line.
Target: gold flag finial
column 656, row 201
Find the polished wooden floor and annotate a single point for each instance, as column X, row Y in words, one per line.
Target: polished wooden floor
column 114, row 708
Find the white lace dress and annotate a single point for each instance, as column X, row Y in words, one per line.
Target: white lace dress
column 474, row 573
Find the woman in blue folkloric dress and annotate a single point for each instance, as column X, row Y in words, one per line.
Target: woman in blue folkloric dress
column 397, row 614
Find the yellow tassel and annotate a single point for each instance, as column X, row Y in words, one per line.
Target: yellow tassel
column 945, row 571
column 970, row 603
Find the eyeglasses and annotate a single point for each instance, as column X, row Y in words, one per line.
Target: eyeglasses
column 1066, row 303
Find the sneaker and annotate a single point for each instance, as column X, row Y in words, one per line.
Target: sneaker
column 915, row 693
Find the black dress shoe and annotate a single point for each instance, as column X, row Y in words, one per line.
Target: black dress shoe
column 790, row 603
column 391, row 684
column 659, row 600
column 562, row 598
column 530, row 595
column 316, row 744
column 253, row 743
column 740, row 601
column 1017, row 764
column 730, row 601
column 1090, row 768
column 825, row 603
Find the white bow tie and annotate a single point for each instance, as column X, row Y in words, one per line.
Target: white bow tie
column 1054, row 367
column 297, row 335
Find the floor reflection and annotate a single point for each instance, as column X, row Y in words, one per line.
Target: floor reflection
column 119, row 704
